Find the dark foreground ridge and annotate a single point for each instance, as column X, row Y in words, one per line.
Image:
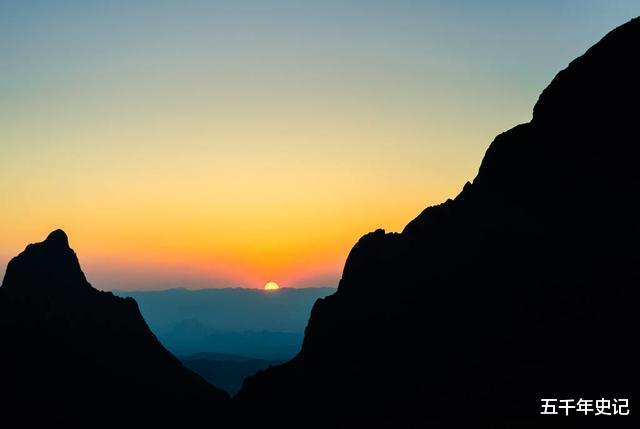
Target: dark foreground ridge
column 73, row 354
column 523, row 287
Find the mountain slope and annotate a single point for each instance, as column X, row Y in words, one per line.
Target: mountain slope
column 73, row 354
column 224, row 370
column 522, row 287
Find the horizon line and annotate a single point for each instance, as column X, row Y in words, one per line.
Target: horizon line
column 220, row 288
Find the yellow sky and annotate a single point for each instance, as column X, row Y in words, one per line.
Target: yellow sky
column 231, row 143
column 285, row 203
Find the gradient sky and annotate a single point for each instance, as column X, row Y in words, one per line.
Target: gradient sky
column 219, row 143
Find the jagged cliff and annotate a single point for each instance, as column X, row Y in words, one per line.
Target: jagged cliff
column 522, row 287
column 74, row 355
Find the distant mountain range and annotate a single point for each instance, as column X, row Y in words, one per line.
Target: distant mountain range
column 227, row 334
column 266, row 325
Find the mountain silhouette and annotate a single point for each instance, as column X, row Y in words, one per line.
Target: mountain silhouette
column 225, row 370
column 525, row 286
column 72, row 354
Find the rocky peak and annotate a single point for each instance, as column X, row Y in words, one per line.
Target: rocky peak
column 71, row 353
column 58, row 238
column 50, row 267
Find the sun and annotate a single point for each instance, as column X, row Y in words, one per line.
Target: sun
column 271, row 286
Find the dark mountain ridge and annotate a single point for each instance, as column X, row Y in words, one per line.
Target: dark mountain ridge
column 225, row 370
column 525, row 286
column 75, row 355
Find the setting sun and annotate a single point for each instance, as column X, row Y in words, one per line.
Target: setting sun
column 271, row 286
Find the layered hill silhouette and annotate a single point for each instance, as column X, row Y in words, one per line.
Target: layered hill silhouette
column 267, row 325
column 75, row 355
column 525, row 286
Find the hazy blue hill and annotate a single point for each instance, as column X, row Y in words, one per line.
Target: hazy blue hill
column 227, row 357
column 246, row 322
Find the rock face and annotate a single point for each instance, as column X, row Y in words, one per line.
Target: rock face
column 72, row 354
column 525, row 286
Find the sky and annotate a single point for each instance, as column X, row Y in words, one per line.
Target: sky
column 231, row 143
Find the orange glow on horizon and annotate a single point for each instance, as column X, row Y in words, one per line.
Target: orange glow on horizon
column 142, row 242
